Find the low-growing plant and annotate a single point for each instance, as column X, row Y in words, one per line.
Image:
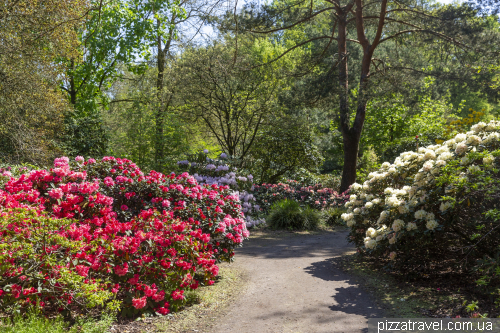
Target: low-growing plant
column 332, row 216
column 312, row 218
column 288, row 214
column 34, row 322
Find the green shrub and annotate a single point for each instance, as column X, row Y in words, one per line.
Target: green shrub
column 287, row 214
column 311, row 218
column 332, row 216
column 35, row 322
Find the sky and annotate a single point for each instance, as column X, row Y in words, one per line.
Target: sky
column 447, row 1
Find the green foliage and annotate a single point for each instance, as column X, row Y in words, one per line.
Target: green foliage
column 33, row 34
column 132, row 124
column 366, row 164
column 332, row 216
column 288, row 214
column 114, row 36
column 228, row 94
column 84, row 135
column 283, row 149
column 34, row 322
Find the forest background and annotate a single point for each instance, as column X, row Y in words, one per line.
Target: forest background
column 317, row 91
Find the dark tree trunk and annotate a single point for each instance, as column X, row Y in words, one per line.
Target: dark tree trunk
column 72, row 88
column 351, row 138
column 351, row 148
column 352, row 135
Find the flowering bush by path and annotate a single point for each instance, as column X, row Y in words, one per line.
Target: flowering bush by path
column 109, row 232
column 257, row 199
column 436, row 206
column 220, row 172
column 314, row 196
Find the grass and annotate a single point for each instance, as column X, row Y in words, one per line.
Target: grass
column 288, row 214
column 36, row 323
column 207, row 303
column 430, row 297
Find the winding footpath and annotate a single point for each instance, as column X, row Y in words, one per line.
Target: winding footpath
column 294, row 286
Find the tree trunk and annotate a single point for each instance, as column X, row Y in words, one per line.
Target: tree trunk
column 72, row 88
column 350, row 139
column 352, row 135
column 351, row 148
column 159, row 118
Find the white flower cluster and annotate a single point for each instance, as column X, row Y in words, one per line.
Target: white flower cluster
column 395, row 201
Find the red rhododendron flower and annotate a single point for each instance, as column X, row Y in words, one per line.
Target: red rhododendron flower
column 178, row 294
column 121, row 271
column 139, row 303
column 166, row 238
column 150, row 291
column 159, row 297
column 82, row 270
column 56, row 193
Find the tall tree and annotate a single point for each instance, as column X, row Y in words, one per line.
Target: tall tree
column 231, row 101
column 357, row 38
column 33, row 35
column 114, row 37
column 174, row 30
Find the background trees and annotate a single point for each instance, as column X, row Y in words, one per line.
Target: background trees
column 370, row 44
column 230, row 98
column 323, row 86
column 33, row 34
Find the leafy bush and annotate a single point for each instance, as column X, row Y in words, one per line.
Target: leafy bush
column 433, row 207
column 223, row 171
column 332, row 216
column 141, row 240
column 311, row 218
column 34, row 322
column 34, row 255
column 287, row 214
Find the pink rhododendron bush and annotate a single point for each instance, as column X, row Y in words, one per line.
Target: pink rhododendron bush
column 315, row 196
column 437, row 207
column 101, row 233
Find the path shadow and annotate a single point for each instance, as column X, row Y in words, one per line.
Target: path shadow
column 327, row 244
column 352, row 299
column 335, row 323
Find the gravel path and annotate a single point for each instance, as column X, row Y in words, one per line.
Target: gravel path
column 294, row 286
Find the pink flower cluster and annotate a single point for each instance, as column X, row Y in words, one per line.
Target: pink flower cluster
column 315, row 196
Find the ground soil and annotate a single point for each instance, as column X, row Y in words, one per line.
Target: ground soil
column 294, row 285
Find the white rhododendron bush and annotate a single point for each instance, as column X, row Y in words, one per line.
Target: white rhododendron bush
column 435, row 206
